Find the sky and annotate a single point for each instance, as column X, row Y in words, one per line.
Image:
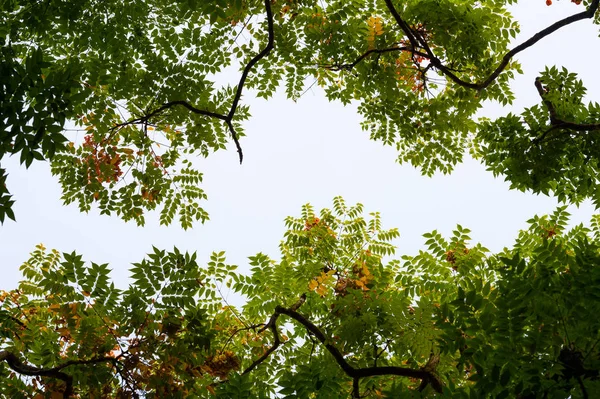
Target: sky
column 309, row 151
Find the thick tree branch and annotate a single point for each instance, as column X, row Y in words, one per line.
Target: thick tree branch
column 228, row 119
column 24, row 369
column 402, row 24
column 55, row 372
column 437, row 63
column 584, row 391
column 426, row 373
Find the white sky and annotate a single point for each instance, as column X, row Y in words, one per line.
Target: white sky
column 309, row 151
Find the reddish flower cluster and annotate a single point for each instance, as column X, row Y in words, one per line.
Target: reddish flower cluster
column 101, row 160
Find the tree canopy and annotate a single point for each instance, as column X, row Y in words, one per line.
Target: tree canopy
column 120, row 97
column 335, row 316
column 143, row 81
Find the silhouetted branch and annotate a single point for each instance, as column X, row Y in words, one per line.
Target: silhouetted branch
column 55, row 372
column 417, row 41
column 228, row 119
column 426, row 373
column 555, row 121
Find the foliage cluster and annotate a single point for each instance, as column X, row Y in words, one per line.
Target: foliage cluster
column 142, row 84
column 333, row 317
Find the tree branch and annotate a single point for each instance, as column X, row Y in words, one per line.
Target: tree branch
column 437, row 63
column 55, row 372
column 264, row 52
column 228, row 119
column 555, row 121
column 339, row 67
column 426, row 373
column 272, row 324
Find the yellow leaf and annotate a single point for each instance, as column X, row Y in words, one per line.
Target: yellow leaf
column 63, row 331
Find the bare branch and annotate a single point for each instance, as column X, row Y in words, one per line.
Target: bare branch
column 272, row 324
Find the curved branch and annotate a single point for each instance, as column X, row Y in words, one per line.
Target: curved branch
column 352, row 372
column 555, row 121
column 588, row 13
column 24, row 369
column 55, row 372
column 264, row 52
column 228, row 119
column 272, row 324
column 426, row 373
column 402, row 24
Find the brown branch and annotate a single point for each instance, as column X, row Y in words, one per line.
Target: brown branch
column 272, row 324
column 555, row 121
column 414, row 38
column 237, row 331
column 426, row 373
column 542, row 92
column 264, row 52
column 55, row 372
column 402, row 24
column 228, row 119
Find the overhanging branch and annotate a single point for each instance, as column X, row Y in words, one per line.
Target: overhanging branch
column 417, row 41
column 427, row 373
column 349, row 66
column 555, row 121
column 228, row 119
